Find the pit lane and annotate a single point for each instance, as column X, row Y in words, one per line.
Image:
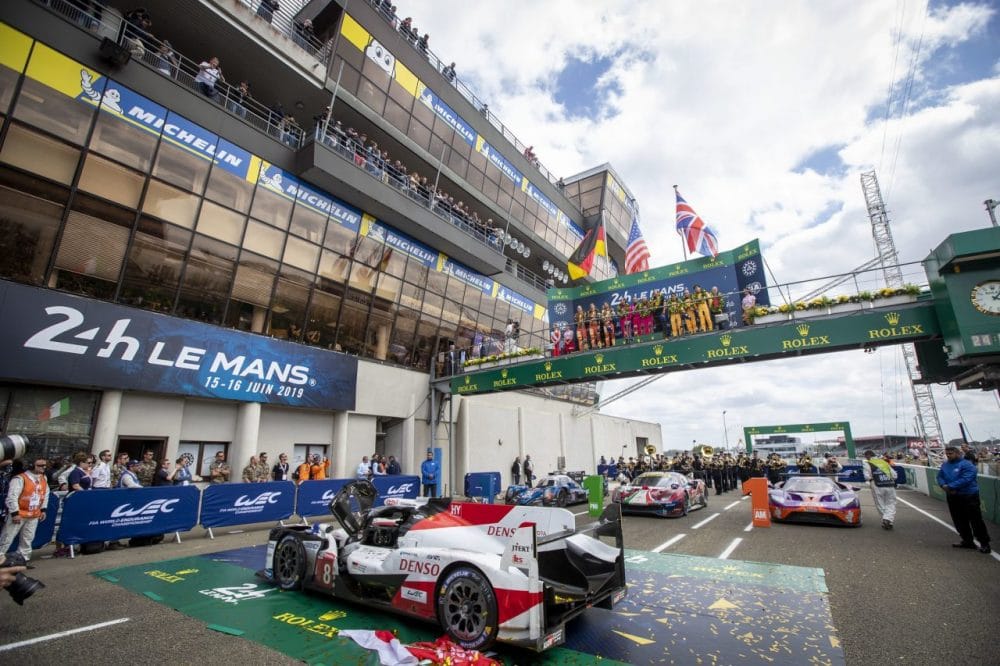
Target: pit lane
column 895, row 595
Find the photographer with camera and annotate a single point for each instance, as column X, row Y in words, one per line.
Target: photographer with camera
column 27, row 500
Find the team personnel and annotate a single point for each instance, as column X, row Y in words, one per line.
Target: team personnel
column 27, row 498
column 957, row 477
column 883, row 484
column 429, row 472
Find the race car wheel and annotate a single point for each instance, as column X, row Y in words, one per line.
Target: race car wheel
column 289, row 563
column 704, row 500
column 687, row 505
column 561, row 498
column 467, row 608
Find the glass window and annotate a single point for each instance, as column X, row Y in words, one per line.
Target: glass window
column 396, row 115
column 333, row 266
column 308, row 223
column 54, row 112
column 478, row 160
column 93, row 249
column 178, row 166
column 271, row 207
column 401, row 341
column 350, row 78
column 401, row 96
column 69, row 433
column 40, row 154
column 475, row 178
column 412, row 296
column 221, row 223
column 170, row 204
column 419, row 133
column 426, row 333
column 229, row 190
column 458, row 164
column 28, row 228
column 111, row 181
column 353, row 324
column 323, row 312
column 153, row 269
column 388, row 288
column 207, row 280
column 432, row 305
column 123, row 142
column 376, row 74
column 8, row 79
column 264, row 240
column 301, row 254
column 423, row 113
column 371, row 95
column 254, row 280
column 288, row 312
column 416, row 273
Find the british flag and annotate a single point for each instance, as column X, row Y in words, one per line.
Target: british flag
column 699, row 236
column 636, row 252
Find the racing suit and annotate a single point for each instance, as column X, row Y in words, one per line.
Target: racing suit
column 883, row 485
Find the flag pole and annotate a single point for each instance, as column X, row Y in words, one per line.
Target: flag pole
column 683, row 240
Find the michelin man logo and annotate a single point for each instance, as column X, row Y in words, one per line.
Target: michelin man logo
column 750, row 268
column 111, row 98
column 272, row 181
column 381, row 56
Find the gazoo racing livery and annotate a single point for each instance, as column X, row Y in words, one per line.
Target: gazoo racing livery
column 661, row 494
column 485, row 573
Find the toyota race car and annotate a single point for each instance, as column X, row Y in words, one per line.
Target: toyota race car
column 484, row 572
column 661, row 494
column 553, row 490
column 815, row 499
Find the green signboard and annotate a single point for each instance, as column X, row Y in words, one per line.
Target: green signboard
column 907, row 323
column 833, row 426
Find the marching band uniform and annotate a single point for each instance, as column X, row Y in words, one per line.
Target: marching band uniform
column 775, row 468
column 757, row 467
column 743, row 463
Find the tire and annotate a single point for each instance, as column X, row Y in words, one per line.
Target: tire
column 561, row 498
column 687, row 505
column 704, row 500
column 289, row 563
column 467, row 608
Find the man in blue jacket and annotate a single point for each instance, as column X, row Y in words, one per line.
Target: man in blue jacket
column 957, row 478
column 429, row 472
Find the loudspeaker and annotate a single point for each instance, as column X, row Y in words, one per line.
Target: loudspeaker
column 114, row 52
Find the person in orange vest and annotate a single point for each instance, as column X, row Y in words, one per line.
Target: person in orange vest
column 303, row 472
column 319, row 468
column 27, row 499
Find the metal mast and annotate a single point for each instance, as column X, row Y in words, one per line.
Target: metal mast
column 923, row 397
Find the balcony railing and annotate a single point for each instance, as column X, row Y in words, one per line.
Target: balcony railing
column 463, row 88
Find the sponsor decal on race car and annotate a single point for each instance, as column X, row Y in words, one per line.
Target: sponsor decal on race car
column 411, row 594
column 555, row 638
column 416, row 566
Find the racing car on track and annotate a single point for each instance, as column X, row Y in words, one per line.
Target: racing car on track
column 661, row 494
column 485, row 573
column 553, row 490
column 815, row 499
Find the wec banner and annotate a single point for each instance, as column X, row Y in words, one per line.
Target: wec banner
column 109, row 515
column 314, row 496
column 395, row 486
column 227, row 504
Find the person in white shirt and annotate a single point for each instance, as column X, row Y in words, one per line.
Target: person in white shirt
column 101, row 474
column 208, row 74
column 364, row 468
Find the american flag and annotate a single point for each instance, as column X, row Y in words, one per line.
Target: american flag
column 699, row 236
column 636, row 252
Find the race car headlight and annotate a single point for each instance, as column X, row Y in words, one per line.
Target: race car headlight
column 848, row 501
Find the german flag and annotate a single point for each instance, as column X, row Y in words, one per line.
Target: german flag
column 582, row 260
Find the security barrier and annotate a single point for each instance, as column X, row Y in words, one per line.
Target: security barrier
column 399, row 486
column 313, row 497
column 486, row 485
column 225, row 504
column 924, row 479
column 110, row 515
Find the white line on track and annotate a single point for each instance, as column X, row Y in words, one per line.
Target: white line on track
column 730, row 548
column 706, row 521
column 996, row 556
column 581, row 513
column 748, row 527
column 730, row 506
column 70, row 632
column 745, row 497
column 668, row 543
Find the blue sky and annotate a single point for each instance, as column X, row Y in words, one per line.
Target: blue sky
column 577, row 87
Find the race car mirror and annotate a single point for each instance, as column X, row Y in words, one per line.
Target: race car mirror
column 756, row 488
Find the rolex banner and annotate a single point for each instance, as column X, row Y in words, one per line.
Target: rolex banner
column 731, row 271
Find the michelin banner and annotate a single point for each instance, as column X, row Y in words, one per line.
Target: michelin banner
column 225, row 504
column 50, row 336
column 731, row 271
column 110, row 515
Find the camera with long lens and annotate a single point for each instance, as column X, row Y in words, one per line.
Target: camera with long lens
column 12, row 446
column 23, row 586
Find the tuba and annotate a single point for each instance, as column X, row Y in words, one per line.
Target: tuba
column 649, row 450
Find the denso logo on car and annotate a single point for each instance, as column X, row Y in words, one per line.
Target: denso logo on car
column 499, row 530
column 415, row 566
column 126, row 510
column 260, row 500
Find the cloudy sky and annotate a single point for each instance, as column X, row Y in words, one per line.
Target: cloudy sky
column 764, row 114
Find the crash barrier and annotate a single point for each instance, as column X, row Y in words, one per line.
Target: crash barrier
column 484, row 485
column 227, row 504
column 45, row 529
column 924, row 479
column 112, row 515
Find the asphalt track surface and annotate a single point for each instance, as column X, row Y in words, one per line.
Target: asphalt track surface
column 903, row 596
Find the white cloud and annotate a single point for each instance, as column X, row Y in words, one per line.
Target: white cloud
column 727, row 100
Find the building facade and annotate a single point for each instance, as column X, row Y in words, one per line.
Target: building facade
column 192, row 267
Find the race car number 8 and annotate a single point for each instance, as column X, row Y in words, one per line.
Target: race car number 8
column 326, row 573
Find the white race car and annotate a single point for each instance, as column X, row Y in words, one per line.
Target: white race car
column 484, row 572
